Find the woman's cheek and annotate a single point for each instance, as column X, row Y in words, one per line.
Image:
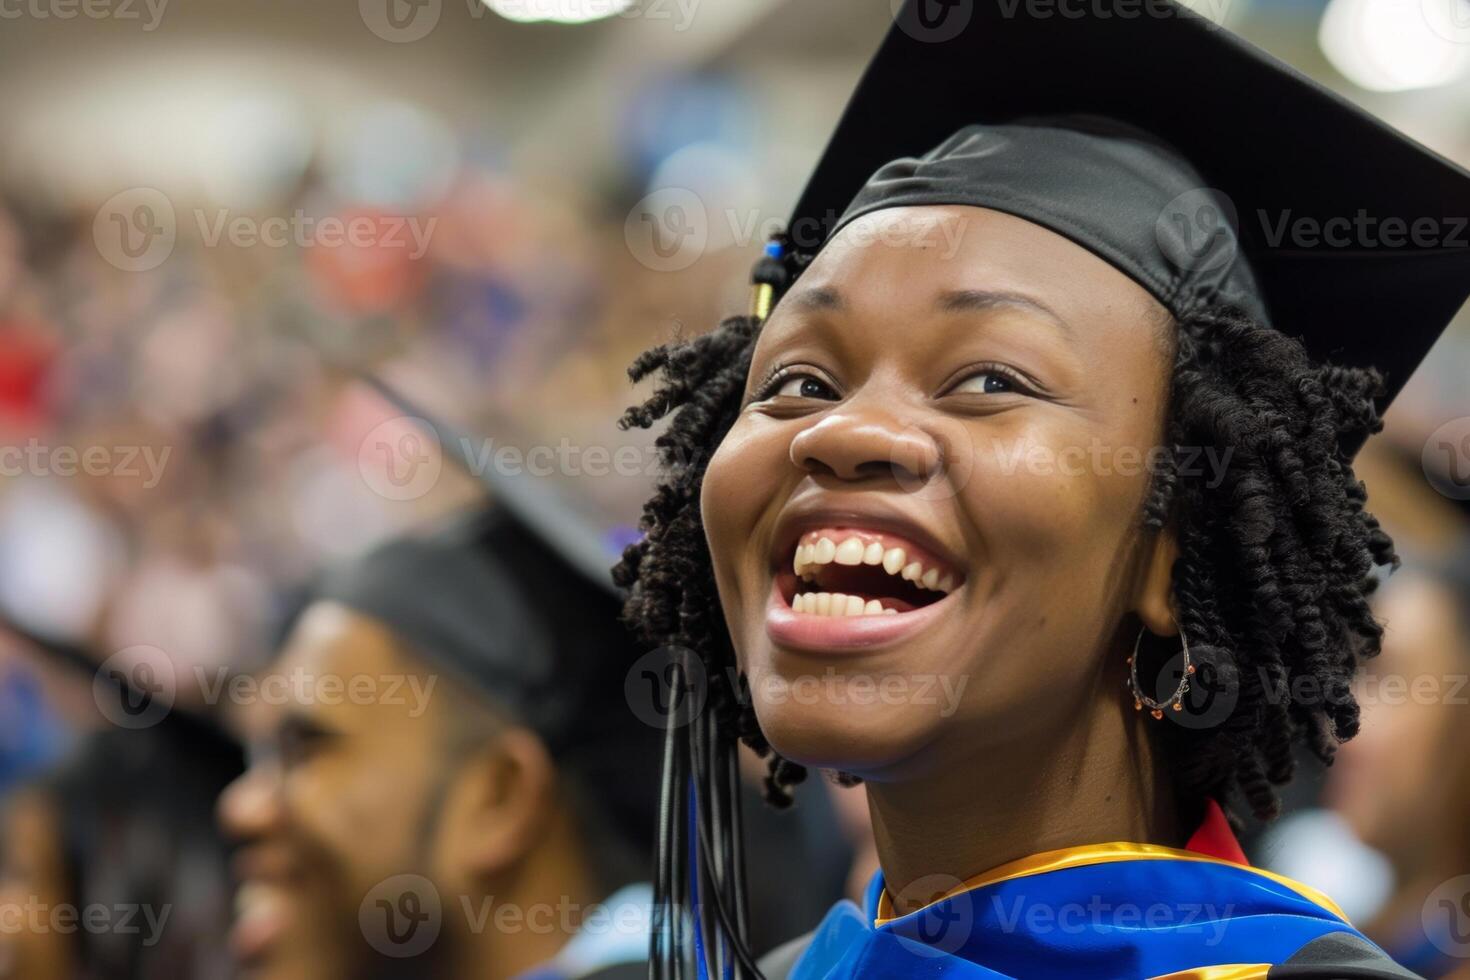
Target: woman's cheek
column 740, row 483
column 1059, row 511
column 1025, row 487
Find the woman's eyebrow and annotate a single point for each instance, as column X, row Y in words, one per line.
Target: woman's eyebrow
column 978, row 300
column 825, row 298
column 817, row 298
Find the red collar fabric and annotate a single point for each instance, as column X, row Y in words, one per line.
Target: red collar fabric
column 1214, row 838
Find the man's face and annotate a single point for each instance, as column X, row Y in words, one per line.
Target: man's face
column 33, row 876
column 342, row 799
column 1391, row 782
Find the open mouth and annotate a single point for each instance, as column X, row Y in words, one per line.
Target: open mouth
column 269, row 878
column 261, row 915
column 850, row 572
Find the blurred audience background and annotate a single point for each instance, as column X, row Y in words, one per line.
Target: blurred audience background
column 213, row 214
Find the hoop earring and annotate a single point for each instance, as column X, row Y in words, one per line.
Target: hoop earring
column 1176, row 701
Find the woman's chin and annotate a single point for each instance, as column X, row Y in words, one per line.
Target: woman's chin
column 853, row 738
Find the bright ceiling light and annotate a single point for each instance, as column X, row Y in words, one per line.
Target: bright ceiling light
column 1396, row 45
column 558, row 11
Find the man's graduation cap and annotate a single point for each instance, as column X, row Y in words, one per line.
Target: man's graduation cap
column 516, row 600
column 536, row 505
column 1210, row 172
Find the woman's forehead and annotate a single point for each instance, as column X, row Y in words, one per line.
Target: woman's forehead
column 922, row 254
column 957, row 265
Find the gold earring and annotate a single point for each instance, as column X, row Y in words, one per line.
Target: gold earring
column 1175, row 701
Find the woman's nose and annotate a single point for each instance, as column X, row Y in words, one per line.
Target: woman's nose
column 250, row 807
column 862, row 440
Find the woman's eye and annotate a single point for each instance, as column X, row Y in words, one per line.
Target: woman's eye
column 988, row 382
column 296, row 744
column 806, row 387
column 793, row 385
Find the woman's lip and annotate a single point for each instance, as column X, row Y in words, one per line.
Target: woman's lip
column 843, row 634
column 260, row 920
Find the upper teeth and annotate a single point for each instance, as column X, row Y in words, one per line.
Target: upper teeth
column 855, row 551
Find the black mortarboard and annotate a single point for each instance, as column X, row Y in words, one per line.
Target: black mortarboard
column 516, row 600
column 1345, row 233
column 203, row 739
column 535, row 504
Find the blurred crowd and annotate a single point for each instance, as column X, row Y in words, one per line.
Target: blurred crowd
column 188, row 443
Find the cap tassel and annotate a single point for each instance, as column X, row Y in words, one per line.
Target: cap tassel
column 768, row 276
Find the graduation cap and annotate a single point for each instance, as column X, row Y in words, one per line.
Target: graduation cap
column 133, row 708
column 516, row 600
column 535, row 505
column 1201, row 167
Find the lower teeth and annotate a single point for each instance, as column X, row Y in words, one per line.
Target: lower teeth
column 837, row 604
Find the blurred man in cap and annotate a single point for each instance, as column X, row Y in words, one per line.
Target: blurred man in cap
column 455, row 785
column 1403, row 785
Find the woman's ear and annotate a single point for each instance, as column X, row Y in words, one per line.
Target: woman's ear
column 505, row 797
column 1153, row 599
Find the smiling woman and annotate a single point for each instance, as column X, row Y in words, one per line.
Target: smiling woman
column 979, row 465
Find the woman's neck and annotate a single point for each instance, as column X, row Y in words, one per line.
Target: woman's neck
column 1100, row 782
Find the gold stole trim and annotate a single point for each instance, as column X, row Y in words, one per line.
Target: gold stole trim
column 1076, row 857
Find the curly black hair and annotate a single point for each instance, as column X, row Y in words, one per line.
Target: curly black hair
column 1276, row 551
